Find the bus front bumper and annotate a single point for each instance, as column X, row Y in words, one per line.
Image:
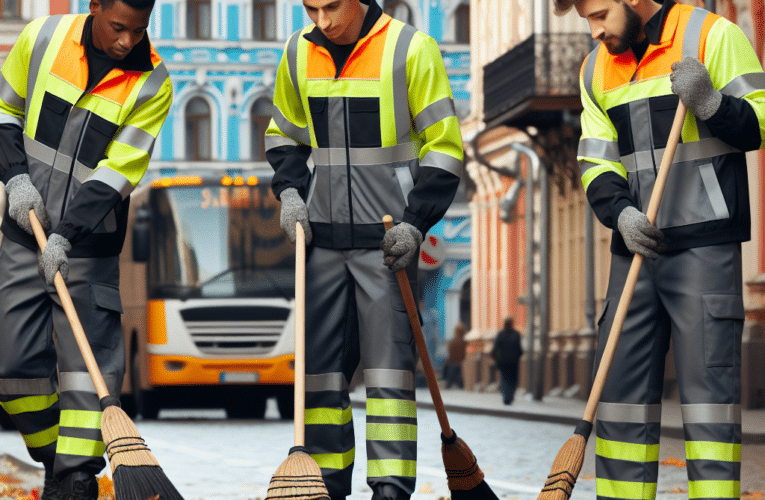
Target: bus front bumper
column 185, row 370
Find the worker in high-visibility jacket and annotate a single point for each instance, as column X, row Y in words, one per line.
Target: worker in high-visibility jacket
column 366, row 100
column 690, row 286
column 82, row 99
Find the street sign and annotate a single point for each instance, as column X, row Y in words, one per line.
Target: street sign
column 432, row 252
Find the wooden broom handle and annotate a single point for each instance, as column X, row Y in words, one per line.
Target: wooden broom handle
column 414, row 320
column 299, row 336
column 637, row 261
column 71, row 314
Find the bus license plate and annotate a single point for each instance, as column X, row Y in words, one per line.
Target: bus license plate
column 239, row 377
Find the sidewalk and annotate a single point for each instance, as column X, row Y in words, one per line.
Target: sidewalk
column 561, row 410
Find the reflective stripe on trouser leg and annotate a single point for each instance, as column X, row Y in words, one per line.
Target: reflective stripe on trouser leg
column 35, row 415
column 628, row 420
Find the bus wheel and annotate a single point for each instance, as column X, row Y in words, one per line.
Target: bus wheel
column 246, row 406
column 145, row 402
column 285, row 401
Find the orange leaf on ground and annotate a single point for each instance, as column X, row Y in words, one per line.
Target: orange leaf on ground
column 673, row 462
column 589, row 476
column 751, row 495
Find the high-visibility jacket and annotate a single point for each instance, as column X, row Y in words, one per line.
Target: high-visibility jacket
column 628, row 112
column 85, row 151
column 382, row 134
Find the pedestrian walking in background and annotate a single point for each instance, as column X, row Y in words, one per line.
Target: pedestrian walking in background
column 367, row 98
column 82, row 100
column 650, row 56
column 453, row 365
column 507, row 352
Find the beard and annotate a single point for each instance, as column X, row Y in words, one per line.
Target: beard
column 622, row 42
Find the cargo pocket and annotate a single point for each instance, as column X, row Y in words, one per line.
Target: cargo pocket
column 723, row 325
column 320, row 119
column 54, row 113
column 364, row 122
column 105, row 315
column 98, row 134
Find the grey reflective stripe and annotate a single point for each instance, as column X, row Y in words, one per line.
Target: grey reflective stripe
column 640, row 118
column 39, row 151
column 442, row 161
column 630, row 413
column 81, row 172
column 26, row 387
column 405, row 181
column 400, row 87
column 586, row 165
column 599, row 148
column 71, row 138
column 10, row 120
column 300, row 134
column 76, row 381
column 714, row 191
column 392, row 379
column 434, row 113
column 41, row 44
column 336, row 116
column 134, row 136
column 326, row 382
column 8, row 95
column 152, row 85
column 711, row 414
column 693, row 32
column 744, row 84
column 275, row 141
column 367, row 156
column 686, row 151
column 589, row 74
column 113, row 179
column 292, row 50
column 62, row 163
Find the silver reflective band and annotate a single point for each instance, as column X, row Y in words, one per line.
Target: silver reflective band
column 152, row 85
column 589, row 74
column 326, row 382
column 134, row 136
column 711, row 414
column 292, row 49
column 434, row 113
column 693, row 32
column 405, row 181
column 76, row 381
column 11, row 120
column 442, row 161
column 712, row 186
column 113, row 179
column 745, row 84
column 392, row 379
column 39, row 151
column 599, row 148
column 368, row 156
column 26, row 387
column 687, row 151
column 400, row 87
column 635, row 414
column 300, row 134
column 275, row 141
column 8, row 95
column 586, row 165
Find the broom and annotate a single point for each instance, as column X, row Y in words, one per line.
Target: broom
column 136, row 473
column 568, row 463
column 463, row 475
column 299, row 476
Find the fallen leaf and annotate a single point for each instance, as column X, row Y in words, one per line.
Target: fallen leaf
column 751, row 495
column 426, row 488
column 589, row 476
column 674, row 462
column 677, row 489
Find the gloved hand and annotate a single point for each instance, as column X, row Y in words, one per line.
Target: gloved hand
column 639, row 235
column 23, row 197
column 294, row 210
column 400, row 246
column 54, row 258
column 690, row 80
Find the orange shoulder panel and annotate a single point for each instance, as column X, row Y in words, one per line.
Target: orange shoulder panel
column 71, row 64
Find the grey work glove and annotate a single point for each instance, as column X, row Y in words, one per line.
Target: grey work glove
column 639, row 235
column 400, row 246
column 294, row 211
column 23, row 197
column 690, row 80
column 54, row 258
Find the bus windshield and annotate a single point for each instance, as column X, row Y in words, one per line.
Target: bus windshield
column 219, row 242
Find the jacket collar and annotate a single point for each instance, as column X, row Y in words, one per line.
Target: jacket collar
column 370, row 26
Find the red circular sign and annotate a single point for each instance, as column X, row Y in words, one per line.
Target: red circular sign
column 432, row 252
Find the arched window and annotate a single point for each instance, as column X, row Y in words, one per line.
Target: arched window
column 398, row 9
column 263, row 20
column 10, row 9
column 462, row 24
column 260, row 115
column 198, row 130
column 198, row 20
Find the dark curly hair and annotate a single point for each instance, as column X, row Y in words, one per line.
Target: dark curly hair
column 136, row 4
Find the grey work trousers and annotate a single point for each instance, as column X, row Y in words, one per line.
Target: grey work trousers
column 693, row 297
column 44, row 384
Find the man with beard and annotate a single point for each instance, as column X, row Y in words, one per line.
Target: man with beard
column 690, row 286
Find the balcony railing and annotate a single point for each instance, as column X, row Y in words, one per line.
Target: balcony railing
column 532, row 83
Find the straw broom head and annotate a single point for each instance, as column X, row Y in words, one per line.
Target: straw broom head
column 137, row 474
column 567, row 465
column 297, row 478
column 462, row 471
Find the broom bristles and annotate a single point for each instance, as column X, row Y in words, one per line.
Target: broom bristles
column 565, row 470
column 137, row 474
column 297, row 478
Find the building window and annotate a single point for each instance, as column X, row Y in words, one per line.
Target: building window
column 10, row 9
column 261, row 115
column 198, row 130
column 462, row 24
column 263, row 20
column 198, row 20
column 398, row 9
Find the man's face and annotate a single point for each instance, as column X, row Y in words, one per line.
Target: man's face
column 118, row 28
column 615, row 23
column 334, row 18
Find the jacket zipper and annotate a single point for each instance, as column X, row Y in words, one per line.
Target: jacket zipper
column 76, row 150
